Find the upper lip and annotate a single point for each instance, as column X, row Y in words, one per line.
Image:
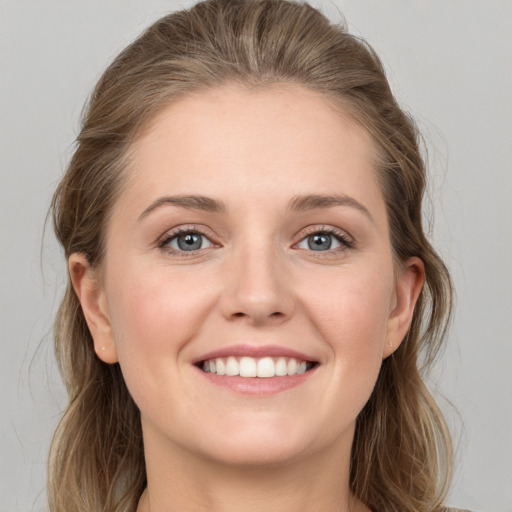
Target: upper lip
column 256, row 351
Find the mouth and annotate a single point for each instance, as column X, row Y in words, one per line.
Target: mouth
column 251, row 367
column 257, row 370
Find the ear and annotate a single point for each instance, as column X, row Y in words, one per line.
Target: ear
column 407, row 290
column 91, row 295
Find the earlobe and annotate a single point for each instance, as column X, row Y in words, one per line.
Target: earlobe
column 408, row 288
column 92, row 299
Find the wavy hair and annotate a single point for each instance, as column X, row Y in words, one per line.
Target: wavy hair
column 401, row 457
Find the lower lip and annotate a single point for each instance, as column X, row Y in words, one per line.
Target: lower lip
column 257, row 385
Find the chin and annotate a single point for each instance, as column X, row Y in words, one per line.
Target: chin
column 255, row 454
column 259, row 444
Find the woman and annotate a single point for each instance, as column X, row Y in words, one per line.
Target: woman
column 250, row 284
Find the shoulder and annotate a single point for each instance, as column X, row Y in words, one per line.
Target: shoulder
column 450, row 509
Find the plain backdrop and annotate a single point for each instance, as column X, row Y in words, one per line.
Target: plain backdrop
column 450, row 65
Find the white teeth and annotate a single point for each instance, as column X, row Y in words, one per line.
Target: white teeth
column 292, row 366
column 247, row 367
column 232, row 367
column 221, row 367
column 251, row 367
column 266, row 367
column 281, row 367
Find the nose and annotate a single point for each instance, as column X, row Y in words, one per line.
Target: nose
column 258, row 289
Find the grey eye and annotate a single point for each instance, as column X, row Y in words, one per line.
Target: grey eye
column 319, row 242
column 189, row 241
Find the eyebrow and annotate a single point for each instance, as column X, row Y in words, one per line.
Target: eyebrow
column 193, row 202
column 319, row 201
column 299, row 204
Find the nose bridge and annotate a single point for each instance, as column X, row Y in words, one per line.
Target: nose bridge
column 257, row 285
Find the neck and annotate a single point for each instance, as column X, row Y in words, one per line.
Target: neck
column 181, row 481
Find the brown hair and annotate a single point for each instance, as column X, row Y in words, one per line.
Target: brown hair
column 401, row 458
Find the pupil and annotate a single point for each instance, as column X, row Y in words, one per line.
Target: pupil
column 189, row 242
column 320, row 242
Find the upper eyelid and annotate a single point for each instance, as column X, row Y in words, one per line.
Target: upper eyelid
column 332, row 230
column 178, row 230
column 194, row 228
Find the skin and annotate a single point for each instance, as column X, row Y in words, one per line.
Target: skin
column 256, row 281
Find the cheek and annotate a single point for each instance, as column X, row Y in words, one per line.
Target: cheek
column 154, row 314
column 352, row 315
column 353, row 307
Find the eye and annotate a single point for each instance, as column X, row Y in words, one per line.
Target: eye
column 325, row 240
column 186, row 241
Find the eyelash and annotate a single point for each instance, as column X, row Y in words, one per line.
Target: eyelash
column 342, row 237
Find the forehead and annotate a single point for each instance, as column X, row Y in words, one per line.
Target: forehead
column 248, row 144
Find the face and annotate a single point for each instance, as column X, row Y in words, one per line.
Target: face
column 251, row 237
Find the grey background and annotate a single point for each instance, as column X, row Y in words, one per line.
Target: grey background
column 449, row 63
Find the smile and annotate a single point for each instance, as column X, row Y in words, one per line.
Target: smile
column 264, row 367
column 258, row 370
